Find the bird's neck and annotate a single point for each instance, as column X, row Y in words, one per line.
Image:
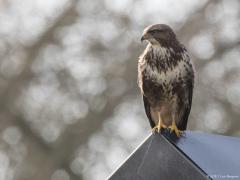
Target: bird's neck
column 160, row 52
column 162, row 57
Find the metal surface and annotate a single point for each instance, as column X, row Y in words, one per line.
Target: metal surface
column 216, row 155
column 193, row 156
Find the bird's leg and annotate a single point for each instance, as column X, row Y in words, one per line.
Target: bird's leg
column 160, row 124
column 174, row 128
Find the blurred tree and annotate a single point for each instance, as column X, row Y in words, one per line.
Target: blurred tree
column 69, row 103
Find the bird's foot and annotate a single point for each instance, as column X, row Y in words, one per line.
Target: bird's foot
column 158, row 127
column 173, row 128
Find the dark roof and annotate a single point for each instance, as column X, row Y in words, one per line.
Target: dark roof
column 193, row 156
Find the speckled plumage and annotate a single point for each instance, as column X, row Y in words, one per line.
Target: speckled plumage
column 166, row 79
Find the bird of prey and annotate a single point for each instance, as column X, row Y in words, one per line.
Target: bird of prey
column 166, row 79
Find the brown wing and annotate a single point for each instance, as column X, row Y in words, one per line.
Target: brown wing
column 148, row 111
column 186, row 107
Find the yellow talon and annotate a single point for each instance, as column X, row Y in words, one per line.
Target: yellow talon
column 160, row 125
column 174, row 128
column 155, row 128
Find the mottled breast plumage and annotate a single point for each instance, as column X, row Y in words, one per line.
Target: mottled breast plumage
column 162, row 70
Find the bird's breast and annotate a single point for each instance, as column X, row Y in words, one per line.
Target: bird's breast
column 169, row 75
column 158, row 85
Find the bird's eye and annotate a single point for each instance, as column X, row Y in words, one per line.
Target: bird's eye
column 154, row 31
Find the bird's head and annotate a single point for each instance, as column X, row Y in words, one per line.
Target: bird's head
column 158, row 34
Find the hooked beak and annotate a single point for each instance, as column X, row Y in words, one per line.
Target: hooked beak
column 145, row 36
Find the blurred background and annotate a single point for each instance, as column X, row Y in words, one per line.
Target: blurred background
column 70, row 108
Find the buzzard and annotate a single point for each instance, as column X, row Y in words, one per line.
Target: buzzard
column 166, row 79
